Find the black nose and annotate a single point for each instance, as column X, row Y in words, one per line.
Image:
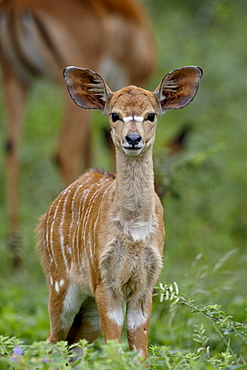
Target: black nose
column 133, row 139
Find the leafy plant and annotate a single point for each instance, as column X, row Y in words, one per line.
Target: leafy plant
column 204, row 187
column 44, row 356
column 222, row 325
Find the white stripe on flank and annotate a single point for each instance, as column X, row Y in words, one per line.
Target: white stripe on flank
column 75, row 221
column 49, row 240
column 61, row 228
column 53, row 222
column 78, row 188
column 79, row 236
column 88, row 215
column 99, row 209
column 78, row 201
column 61, row 282
column 57, row 287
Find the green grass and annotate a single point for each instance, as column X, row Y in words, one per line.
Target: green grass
column 204, row 201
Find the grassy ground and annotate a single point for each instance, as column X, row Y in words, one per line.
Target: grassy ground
column 204, row 186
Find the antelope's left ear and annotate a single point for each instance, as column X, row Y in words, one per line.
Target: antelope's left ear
column 178, row 88
column 87, row 88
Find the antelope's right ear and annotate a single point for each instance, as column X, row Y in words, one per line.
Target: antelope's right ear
column 86, row 88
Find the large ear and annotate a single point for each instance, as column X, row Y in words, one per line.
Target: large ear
column 86, row 88
column 178, row 88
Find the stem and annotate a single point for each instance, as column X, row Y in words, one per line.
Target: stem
column 177, row 297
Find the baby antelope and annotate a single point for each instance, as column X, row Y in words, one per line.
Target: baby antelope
column 101, row 241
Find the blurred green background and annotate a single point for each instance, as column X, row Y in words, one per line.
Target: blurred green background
column 203, row 186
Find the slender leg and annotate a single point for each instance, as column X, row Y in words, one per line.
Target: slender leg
column 74, row 142
column 15, row 99
column 65, row 301
column 111, row 314
column 58, row 329
column 138, row 319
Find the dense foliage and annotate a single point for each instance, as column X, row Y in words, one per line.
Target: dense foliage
column 203, row 191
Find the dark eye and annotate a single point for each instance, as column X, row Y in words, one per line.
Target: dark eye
column 115, row 117
column 151, row 117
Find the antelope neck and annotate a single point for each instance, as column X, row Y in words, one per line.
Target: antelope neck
column 134, row 197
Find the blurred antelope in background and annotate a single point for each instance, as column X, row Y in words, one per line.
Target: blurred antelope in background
column 101, row 241
column 39, row 38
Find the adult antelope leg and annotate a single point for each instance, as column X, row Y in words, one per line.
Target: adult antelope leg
column 15, row 99
column 74, row 143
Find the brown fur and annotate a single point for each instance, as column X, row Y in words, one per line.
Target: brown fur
column 101, row 241
column 40, row 38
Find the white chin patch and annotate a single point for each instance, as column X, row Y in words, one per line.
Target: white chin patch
column 132, row 152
